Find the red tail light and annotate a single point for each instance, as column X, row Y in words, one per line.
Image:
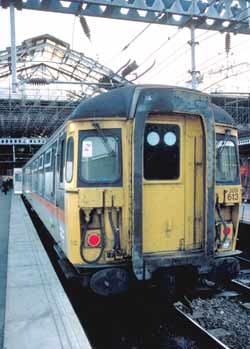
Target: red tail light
column 94, row 240
column 227, row 230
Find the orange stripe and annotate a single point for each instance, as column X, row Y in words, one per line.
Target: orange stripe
column 53, row 209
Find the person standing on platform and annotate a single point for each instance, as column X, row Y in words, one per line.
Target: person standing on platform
column 5, row 187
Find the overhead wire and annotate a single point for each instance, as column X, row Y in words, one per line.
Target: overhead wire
column 161, row 46
column 165, row 63
column 229, row 75
column 178, row 49
column 171, row 37
column 222, row 58
column 206, row 67
column 216, row 62
column 181, row 75
column 221, row 53
column 137, row 36
column 142, row 31
column 168, row 64
column 225, row 78
column 236, row 74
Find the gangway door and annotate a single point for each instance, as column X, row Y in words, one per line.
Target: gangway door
column 173, row 187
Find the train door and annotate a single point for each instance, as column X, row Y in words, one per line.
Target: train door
column 173, row 212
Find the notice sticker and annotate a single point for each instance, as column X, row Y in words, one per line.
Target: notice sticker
column 87, row 149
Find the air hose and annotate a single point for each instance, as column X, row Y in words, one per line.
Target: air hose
column 115, row 230
column 84, row 228
column 223, row 222
column 118, row 228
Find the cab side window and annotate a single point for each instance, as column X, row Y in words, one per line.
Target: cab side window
column 69, row 159
column 62, row 162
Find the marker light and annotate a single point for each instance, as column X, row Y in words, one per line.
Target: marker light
column 94, row 240
column 227, row 230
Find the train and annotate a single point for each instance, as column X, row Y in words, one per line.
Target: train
column 141, row 186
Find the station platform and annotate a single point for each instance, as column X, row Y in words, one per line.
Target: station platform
column 38, row 313
column 245, row 213
column 5, row 203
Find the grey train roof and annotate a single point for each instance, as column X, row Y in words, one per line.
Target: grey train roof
column 221, row 116
column 117, row 103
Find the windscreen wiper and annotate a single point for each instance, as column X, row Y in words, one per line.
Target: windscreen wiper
column 224, row 142
column 104, row 139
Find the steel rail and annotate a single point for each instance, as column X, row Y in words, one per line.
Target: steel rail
column 240, row 287
column 244, row 263
column 243, row 259
column 203, row 336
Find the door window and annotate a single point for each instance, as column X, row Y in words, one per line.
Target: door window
column 162, row 152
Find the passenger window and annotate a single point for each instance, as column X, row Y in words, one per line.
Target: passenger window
column 54, row 147
column 40, row 175
column 40, row 162
column 69, row 159
column 48, row 158
column 35, row 176
column 161, row 152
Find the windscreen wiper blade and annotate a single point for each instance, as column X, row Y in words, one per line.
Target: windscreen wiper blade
column 221, row 148
column 103, row 138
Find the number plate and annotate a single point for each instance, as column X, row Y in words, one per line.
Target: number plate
column 232, row 195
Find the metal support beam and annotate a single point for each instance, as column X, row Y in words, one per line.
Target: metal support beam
column 13, row 47
column 226, row 15
column 193, row 71
column 22, row 141
column 14, row 153
column 245, row 141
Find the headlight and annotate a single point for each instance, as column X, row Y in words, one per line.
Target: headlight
column 226, row 244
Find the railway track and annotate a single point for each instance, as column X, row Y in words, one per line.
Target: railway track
column 203, row 337
column 218, row 321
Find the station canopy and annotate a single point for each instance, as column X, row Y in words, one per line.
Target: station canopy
column 52, row 80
